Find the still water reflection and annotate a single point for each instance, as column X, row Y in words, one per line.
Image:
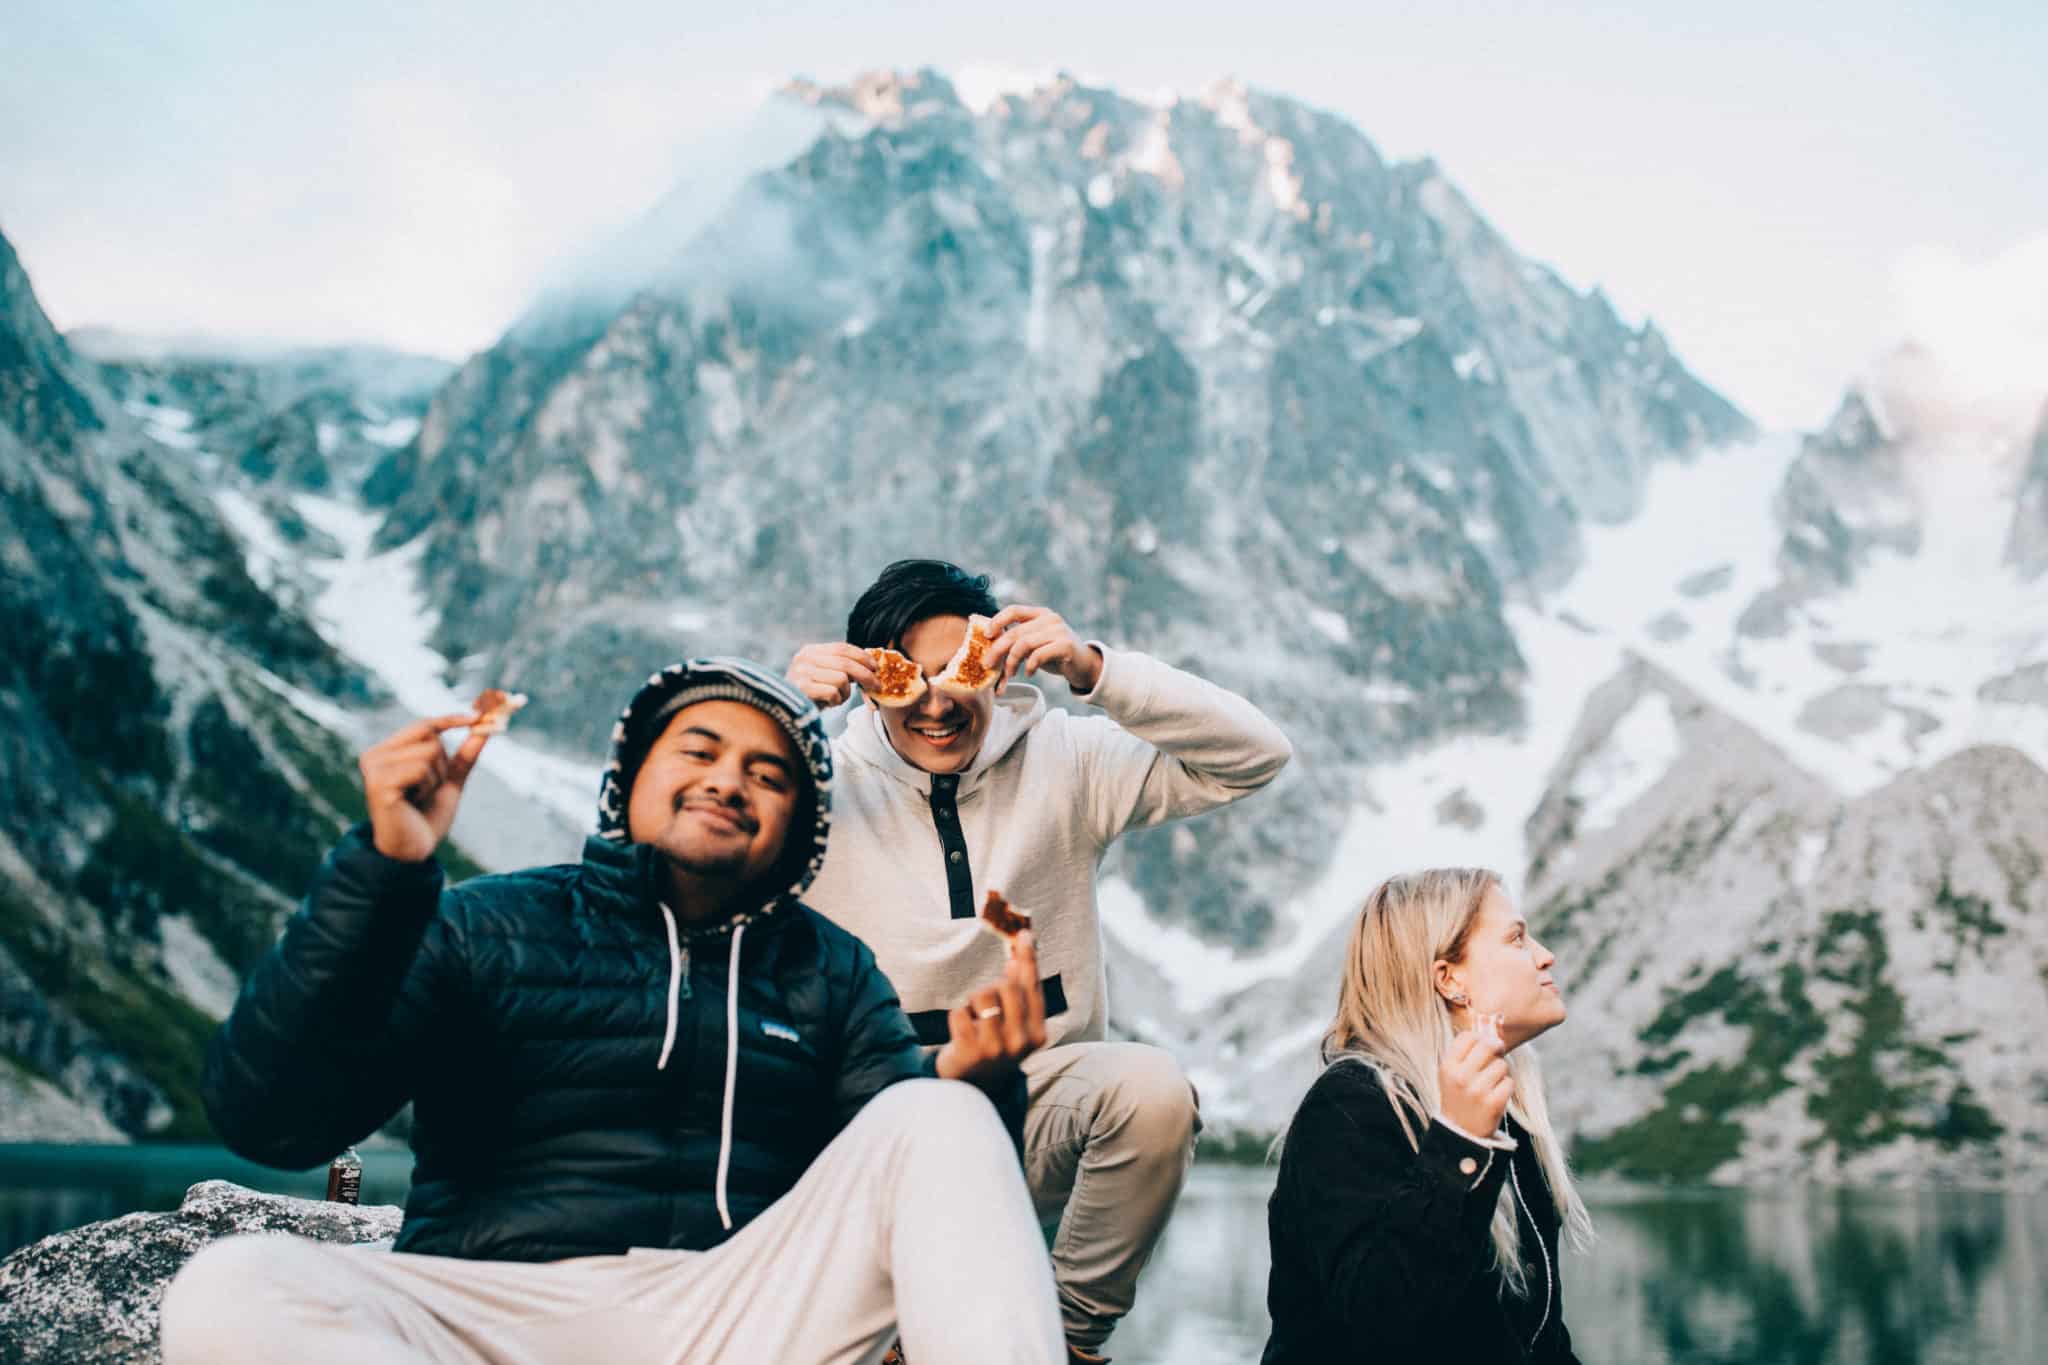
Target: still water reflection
column 1686, row 1277
column 1706, row 1277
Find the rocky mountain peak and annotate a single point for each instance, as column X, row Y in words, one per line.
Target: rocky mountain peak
column 1855, row 427
column 39, row 386
column 2026, row 544
column 886, row 97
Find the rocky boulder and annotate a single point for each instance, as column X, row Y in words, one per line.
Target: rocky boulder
column 92, row 1294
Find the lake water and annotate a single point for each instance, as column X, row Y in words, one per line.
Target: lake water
column 1679, row 1277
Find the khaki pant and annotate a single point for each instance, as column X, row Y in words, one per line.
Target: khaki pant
column 1107, row 1143
column 913, row 1219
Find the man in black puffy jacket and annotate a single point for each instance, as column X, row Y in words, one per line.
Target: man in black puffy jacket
column 662, row 1110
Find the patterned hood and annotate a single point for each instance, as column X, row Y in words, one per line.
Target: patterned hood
column 721, row 679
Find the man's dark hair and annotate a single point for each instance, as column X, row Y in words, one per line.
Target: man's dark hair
column 913, row 590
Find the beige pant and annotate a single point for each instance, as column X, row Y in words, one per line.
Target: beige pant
column 1107, row 1143
column 913, row 1219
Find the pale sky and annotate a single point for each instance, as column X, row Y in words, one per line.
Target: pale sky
column 1784, row 188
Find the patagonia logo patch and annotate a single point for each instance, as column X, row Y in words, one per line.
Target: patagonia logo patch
column 775, row 1029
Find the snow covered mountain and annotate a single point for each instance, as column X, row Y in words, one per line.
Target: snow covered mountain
column 176, row 748
column 1756, row 727
column 1794, row 878
column 160, row 792
column 319, row 419
column 1210, row 377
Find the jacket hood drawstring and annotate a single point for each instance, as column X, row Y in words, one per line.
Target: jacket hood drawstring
column 678, row 969
column 732, row 1071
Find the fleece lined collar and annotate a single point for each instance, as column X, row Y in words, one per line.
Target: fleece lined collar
column 737, row 680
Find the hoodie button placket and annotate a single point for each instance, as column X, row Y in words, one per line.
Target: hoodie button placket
column 945, row 803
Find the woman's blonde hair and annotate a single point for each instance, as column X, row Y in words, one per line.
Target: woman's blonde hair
column 1391, row 1018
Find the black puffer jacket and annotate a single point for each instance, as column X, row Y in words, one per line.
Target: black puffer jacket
column 556, row 1110
column 1385, row 1253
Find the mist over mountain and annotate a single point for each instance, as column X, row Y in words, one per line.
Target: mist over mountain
column 1755, row 726
column 1211, row 378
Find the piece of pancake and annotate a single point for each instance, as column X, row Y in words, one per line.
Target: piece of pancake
column 1002, row 919
column 900, row 682
column 967, row 672
column 494, row 707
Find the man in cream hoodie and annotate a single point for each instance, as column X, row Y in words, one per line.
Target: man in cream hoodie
column 941, row 801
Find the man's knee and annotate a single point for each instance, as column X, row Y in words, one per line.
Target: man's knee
column 207, row 1309
column 947, row 1112
column 1148, row 1097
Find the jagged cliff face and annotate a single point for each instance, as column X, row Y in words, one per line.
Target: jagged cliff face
column 1211, row 378
column 1769, row 981
column 159, row 795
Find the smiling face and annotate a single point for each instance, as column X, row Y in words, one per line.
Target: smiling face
column 940, row 733
column 717, row 791
column 1505, row 971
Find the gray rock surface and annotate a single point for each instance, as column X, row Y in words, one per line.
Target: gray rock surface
column 93, row 1294
column 2026, row 686
column 1844, row 499
column 2026, row 544
column 1771, row 982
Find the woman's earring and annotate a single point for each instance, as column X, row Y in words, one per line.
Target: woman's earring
column 1459, row 998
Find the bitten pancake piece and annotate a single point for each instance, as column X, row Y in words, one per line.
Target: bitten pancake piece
column 494, row 706
column 901, row 682
column 967, row 672
column 1002, row 919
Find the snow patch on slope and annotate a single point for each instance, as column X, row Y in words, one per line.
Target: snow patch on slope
column 1930, row 627
column 195, row 968
column 1640, row 750
column 372, row 610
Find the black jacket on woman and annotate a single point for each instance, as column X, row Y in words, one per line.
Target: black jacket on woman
column 1384, row 1253
column 572, row 1053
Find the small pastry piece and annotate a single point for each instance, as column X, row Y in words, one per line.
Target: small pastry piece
column 1002, row 919
column 494, row 707
column 967, row 672
column 900, row 682
column 1488, row 1027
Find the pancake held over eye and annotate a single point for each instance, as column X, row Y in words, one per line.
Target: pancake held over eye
column 494, row 707
column 967, row 672
column 901, row 682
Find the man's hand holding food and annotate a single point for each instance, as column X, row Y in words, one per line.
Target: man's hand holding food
column 1000, row 1025
column 412, row 784
column 828, row 673
column 1032, row 638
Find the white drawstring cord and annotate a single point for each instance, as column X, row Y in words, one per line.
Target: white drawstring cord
column 732, row 1071
column 675, row 981
column 1549, row 1275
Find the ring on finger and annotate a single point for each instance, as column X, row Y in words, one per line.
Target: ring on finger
column 988, row 1011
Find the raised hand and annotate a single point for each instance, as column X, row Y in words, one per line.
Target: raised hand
column 828, row 673
column 1000, row 1025
column 1031, row 638
column 1474, row 1079
column 412, row 784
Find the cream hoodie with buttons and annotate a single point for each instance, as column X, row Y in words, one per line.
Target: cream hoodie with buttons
column 1044, row 798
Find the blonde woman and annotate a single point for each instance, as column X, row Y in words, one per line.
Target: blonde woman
column 1421, row 1190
